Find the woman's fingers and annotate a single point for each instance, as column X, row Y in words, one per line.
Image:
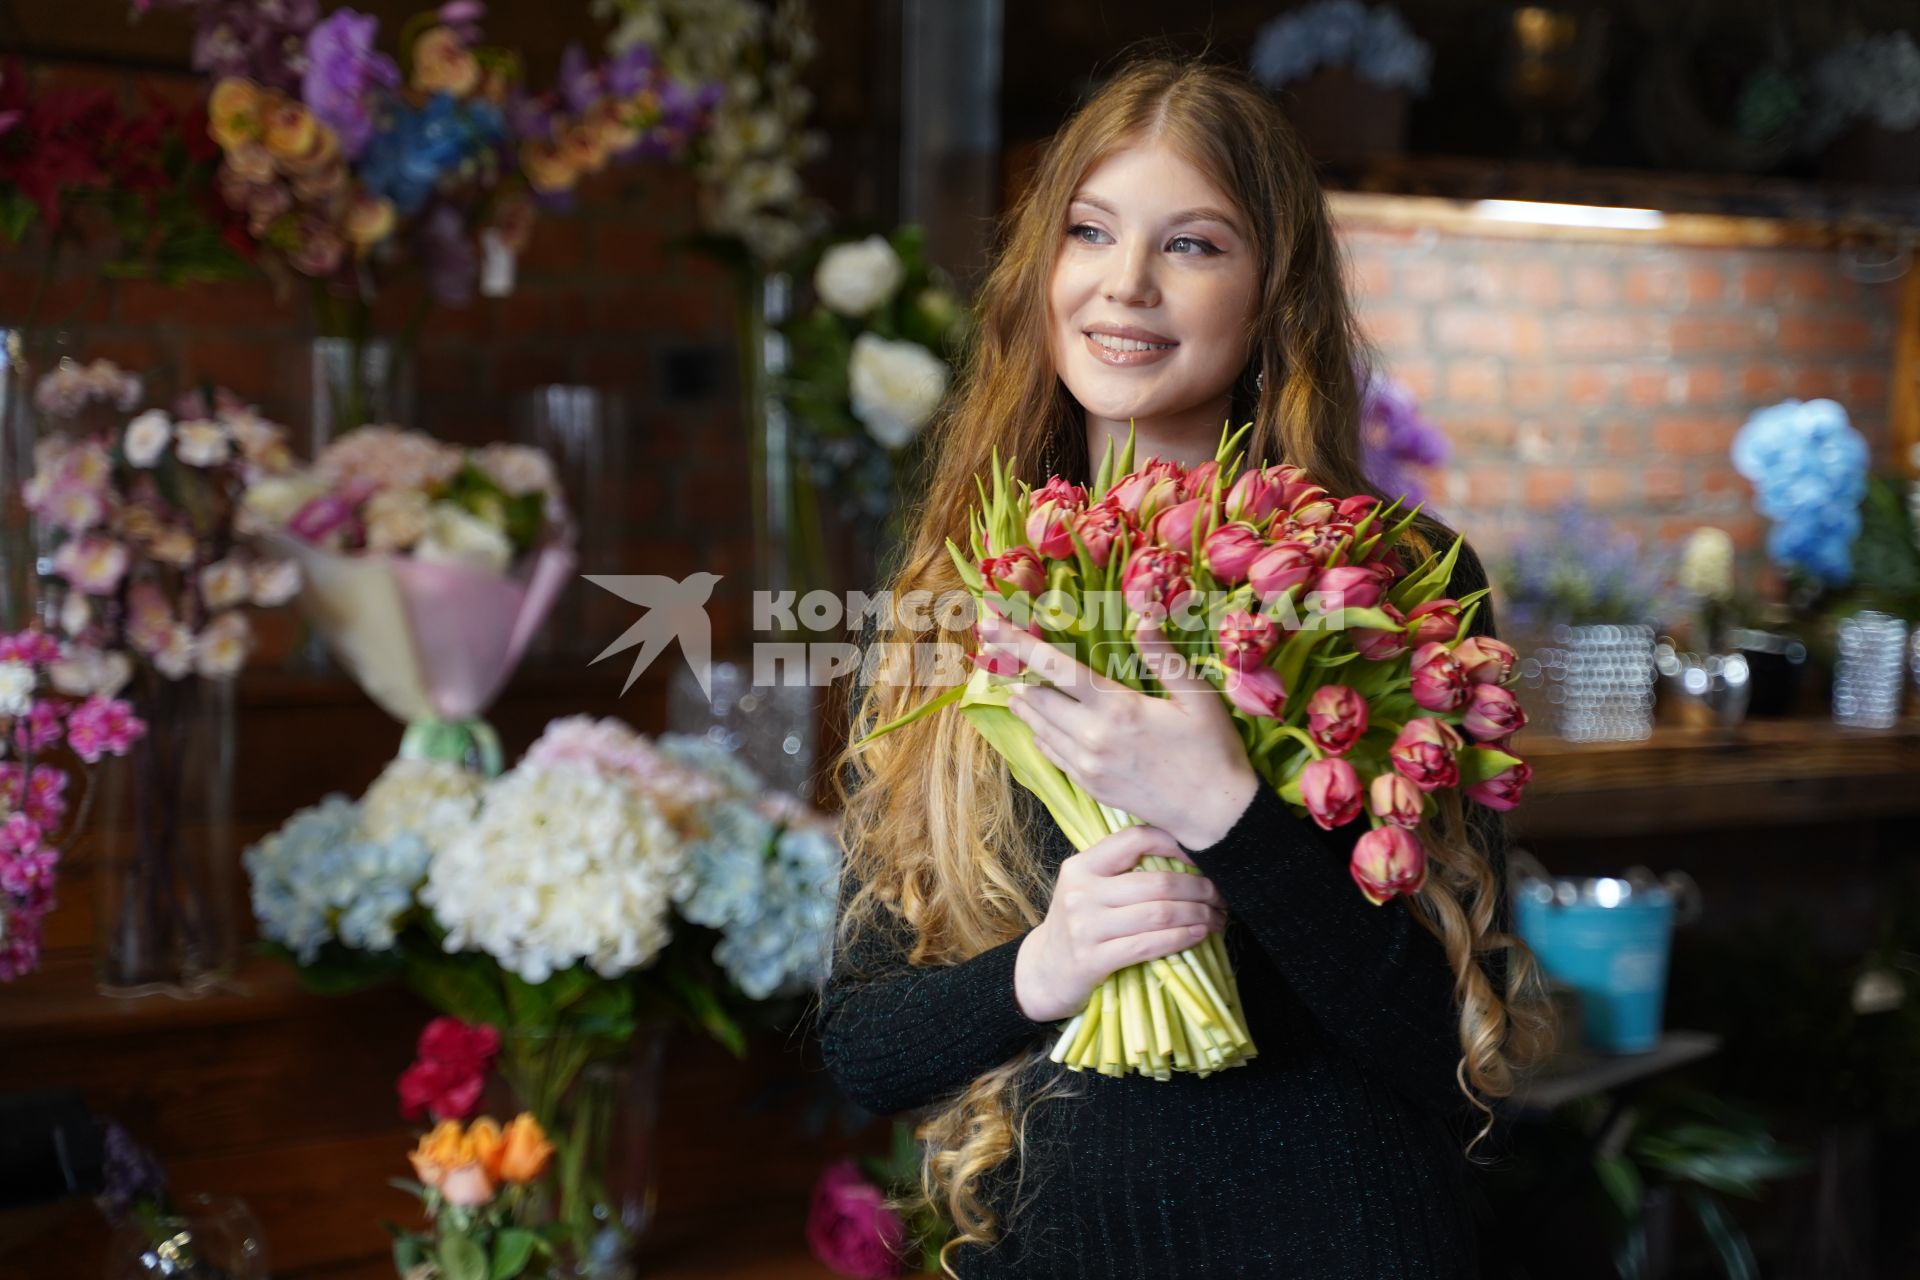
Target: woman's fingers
column 1121, row 952
column 1123, row 850
column 1157, row 886
column 1151, row 917
column 1063, row 670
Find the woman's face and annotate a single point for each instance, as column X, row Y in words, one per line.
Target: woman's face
column 1152, row 298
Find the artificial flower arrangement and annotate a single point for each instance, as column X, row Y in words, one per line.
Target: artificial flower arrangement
column 606, row 883
column 868, row 364
column 1872, row 79
column 54, row 726
column 1400, row 441
column 141, row 526
column 1374, row 41
column 1351, row 678
column 753, row 205
column 343, row 159
column 1582, row 570
column 427, row 567
column 853, row 1227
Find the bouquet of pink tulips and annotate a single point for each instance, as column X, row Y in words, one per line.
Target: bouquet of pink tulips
column 1353, row 681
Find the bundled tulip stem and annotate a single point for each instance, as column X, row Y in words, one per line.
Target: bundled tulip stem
column 1178, row 1013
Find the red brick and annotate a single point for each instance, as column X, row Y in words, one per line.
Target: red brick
column 558, row 246
column 1808, row 334
column 1530, row 386
column 1474, row 280
column 1653, row 285
column 1606, row 487
column 1535, row 283
column 1748, row 530
column 1705, row 284
column 1863, row 388
column 1370, row 276
column 1808, row 284
column 1548, row 487
column 1622, row 439
column 1475, row 382
column 1615, row 335
column 1692, row 334
column 214, row 305
column 1763, row 382
column 1423, row 281
column 1692, row 435
column 1813, row 382
column 1663, row 486
column 1489, row 484
column 1595, row 287
column 1704, row 384
column 1421, row 377
column 1760, row 283
column 1586, row 386
column 1720, row 484
column 1392, row 327
column 244, row 367
column 1482, row 432
column 1484, row 331
column 1649, row 385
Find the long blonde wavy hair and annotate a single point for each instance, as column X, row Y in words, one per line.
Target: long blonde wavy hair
column 932, row 826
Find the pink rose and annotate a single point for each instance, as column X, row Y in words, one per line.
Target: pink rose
column 1280, row 570
column 1377, row 644
column 1502, row 790
column 1258, row 691
column 1395, row 800
column 1230, row 551
column 1246, row 638
column 1423, row 752
column 1434, row 620
column 1331, row 790
column 1155, row 581
column 1485, row 660
column 1388, row 861
column 851, row 1229
column 1493, row 713
column 1336, row 717
column 1438, row 682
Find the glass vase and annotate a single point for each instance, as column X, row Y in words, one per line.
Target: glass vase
column 772, row 727
column 204, row 1237
column 600, row 1110
column 356, row 381
column 165, row 873
column 16, row 467
column 584, row 430
column 1588, row 683
column 1868, row 676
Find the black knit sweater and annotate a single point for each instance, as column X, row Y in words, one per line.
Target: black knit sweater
column 1336, row 1152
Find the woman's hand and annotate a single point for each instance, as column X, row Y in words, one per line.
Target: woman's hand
column 1105, row 916
column 1176, row 762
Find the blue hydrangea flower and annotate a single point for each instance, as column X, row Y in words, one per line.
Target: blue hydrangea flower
column 317, row 880
column 785, row 948
column 416, row 146
column 1808, row 467
column 715, row 759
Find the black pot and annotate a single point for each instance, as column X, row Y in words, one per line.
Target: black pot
column 1774, row 666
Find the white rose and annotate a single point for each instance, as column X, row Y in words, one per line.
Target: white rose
column 202, row 443
column 855, row 278
column 278, row 499
column 221, row 649
column 456, row 534
column 16, row 688
column 147, row 437
column 896, row 387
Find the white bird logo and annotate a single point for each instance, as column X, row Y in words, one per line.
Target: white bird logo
column 675, row 607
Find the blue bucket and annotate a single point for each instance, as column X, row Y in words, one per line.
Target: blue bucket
column 1609, row 940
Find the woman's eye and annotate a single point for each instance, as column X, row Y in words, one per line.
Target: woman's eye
column 1075, row 231
column 1204, row 247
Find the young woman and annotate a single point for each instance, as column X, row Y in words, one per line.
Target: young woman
column 1171, row 266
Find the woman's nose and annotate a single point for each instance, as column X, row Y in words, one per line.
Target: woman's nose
column 1131, row 281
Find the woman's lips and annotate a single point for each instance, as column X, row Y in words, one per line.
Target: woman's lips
column 1124, row 359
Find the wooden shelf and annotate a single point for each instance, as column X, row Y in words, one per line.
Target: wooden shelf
column 1765, row 772
column 1582, row 1074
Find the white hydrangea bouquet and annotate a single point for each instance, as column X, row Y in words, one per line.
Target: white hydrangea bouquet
column 605, row 881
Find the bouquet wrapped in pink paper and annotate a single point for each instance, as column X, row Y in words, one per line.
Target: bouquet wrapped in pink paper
column 427, row 568
column 1354, row 683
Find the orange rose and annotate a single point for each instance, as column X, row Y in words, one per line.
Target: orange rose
column 441, row 64
column 290, row 129
column 486, row 1144
column 438, row 1151
column 451, row 1162
column 233, row 112
column 525, row 1150
column 546, row 169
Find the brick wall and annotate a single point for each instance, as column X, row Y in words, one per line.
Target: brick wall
column 1614, row 373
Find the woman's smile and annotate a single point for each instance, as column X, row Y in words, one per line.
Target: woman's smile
column 1125, row 347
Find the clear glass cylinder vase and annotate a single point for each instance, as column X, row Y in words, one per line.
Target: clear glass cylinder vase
column 165, row 871
column 203, row 1237
column 16, row 468
column 584, row 430
column 773, row 727
column 1588, row 683
column 601, row 1112
column 356, row 381
column 1869, row 677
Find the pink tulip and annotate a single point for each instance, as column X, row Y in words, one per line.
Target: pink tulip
column 1353, row 509
column 1047, row 530
column 1058, row 491
column 1347, row 587
column 1493, row 713
column 851, row 1229
column 1438, row 682
column 1246, row 638
column 1336, row 717
column 1231, row 550
column 1019, row 568
column 1281, row 569
column 1144, row 492
column 1316, row 510
column 1155, row 580
column 1485, row 660
column 1502, row 790
column 1256, row 495
column 1099, row 526
column 1200, row 480
column 1423, row 752
column 1174, row 526
column 1257, row 691
column 1321, row 540
column 1331, row 790
column 1434, row 620
column 1388, row 861
column 1395, row 800
column 1376, row 644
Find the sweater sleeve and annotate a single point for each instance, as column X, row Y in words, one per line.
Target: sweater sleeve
column 1373, row 977
column 897, row 1036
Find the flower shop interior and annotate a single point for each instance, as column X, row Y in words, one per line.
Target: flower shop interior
column 371, row 375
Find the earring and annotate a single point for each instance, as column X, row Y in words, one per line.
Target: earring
column 1260, row 383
